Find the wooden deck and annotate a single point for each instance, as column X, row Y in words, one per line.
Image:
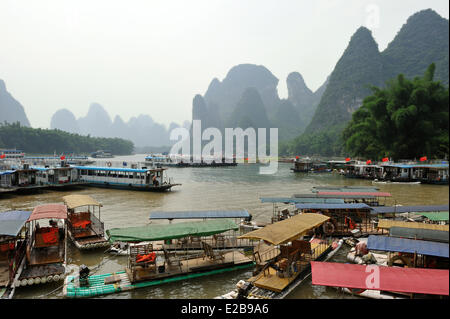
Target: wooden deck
column 42, row 271
column 47, row 255
column 190, row 266
column 271, row 281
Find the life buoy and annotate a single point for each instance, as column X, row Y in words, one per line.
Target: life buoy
column 108, row 164
column 328, row 228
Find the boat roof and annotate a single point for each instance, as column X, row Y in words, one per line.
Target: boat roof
column 74, row 201
column 399, row 279
column 152, row 232
column 410, row 209
column 405, row 245
column 301, row 200
column 200, row 214
column 345, row 196
column 316, row 189
column 436, row 216
column 442, row 165
column 7, row 172
column 334, row 206
column 11, row 222
column 49, row 211
column 387, row 224
column 418, row 233
column 375, row 194
column 287, row 230
column 118, row 169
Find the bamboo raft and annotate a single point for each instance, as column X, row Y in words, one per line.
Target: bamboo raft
column 120, row 281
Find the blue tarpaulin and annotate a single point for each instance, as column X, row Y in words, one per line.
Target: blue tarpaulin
column 200, row 214
column 404, row 245
column 333, row 206
column 12, row 222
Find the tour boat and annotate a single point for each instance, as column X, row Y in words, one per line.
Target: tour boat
column 143, row 179
column 46, row 245
column 13, row 242
column 86, row 230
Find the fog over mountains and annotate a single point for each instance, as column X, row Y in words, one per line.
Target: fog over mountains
column 248, row 96
column 141, row 130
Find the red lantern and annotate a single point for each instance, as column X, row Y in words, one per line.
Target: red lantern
column 347, row 159
column 2, row 156
column 369, row 162
column 386, row 159
column 62, row 157
column 423, row 159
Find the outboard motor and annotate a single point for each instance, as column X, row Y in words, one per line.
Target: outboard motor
column 244, row 290
column 83, row 274
column 249, row 218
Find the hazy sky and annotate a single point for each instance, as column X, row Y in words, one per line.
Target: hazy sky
column 151, row 57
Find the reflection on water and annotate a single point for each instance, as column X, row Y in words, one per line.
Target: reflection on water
column 237, row 187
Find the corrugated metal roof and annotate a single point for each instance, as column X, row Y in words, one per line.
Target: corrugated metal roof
column 376, row 194
column 301, row 200
column 405, row 245
column 200, row 214
column 409, row 280
column 333, row 206
column 409, row 209
column 321, row 195
column 418, row 233
column 436, row 216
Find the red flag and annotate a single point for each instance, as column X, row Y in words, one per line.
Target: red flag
column 347, row 159
column 386, row 159
column 63, row 157
column 2, row 156
column 423, row 159
column 297, row 157
column 369, row 162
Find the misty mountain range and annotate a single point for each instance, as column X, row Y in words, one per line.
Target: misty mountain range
column 248, row 96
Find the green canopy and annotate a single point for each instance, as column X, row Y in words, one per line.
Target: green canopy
column 153, row 232
column 436, row 216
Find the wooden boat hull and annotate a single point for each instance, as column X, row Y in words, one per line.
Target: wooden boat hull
column 161, row 188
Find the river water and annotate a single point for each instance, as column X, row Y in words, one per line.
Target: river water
column 227, row 188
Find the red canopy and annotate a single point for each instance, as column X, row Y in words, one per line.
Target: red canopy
column 49, row 211
column 376, row 194
column 372, row 277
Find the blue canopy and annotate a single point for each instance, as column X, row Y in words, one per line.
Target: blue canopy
column 200, row 214
column 313, row 199
column 12, row 222
column 409, row 209
column 333, row 206
column 7, row 172
column 404, row 245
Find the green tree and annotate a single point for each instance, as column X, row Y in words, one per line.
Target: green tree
column 407, row 119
